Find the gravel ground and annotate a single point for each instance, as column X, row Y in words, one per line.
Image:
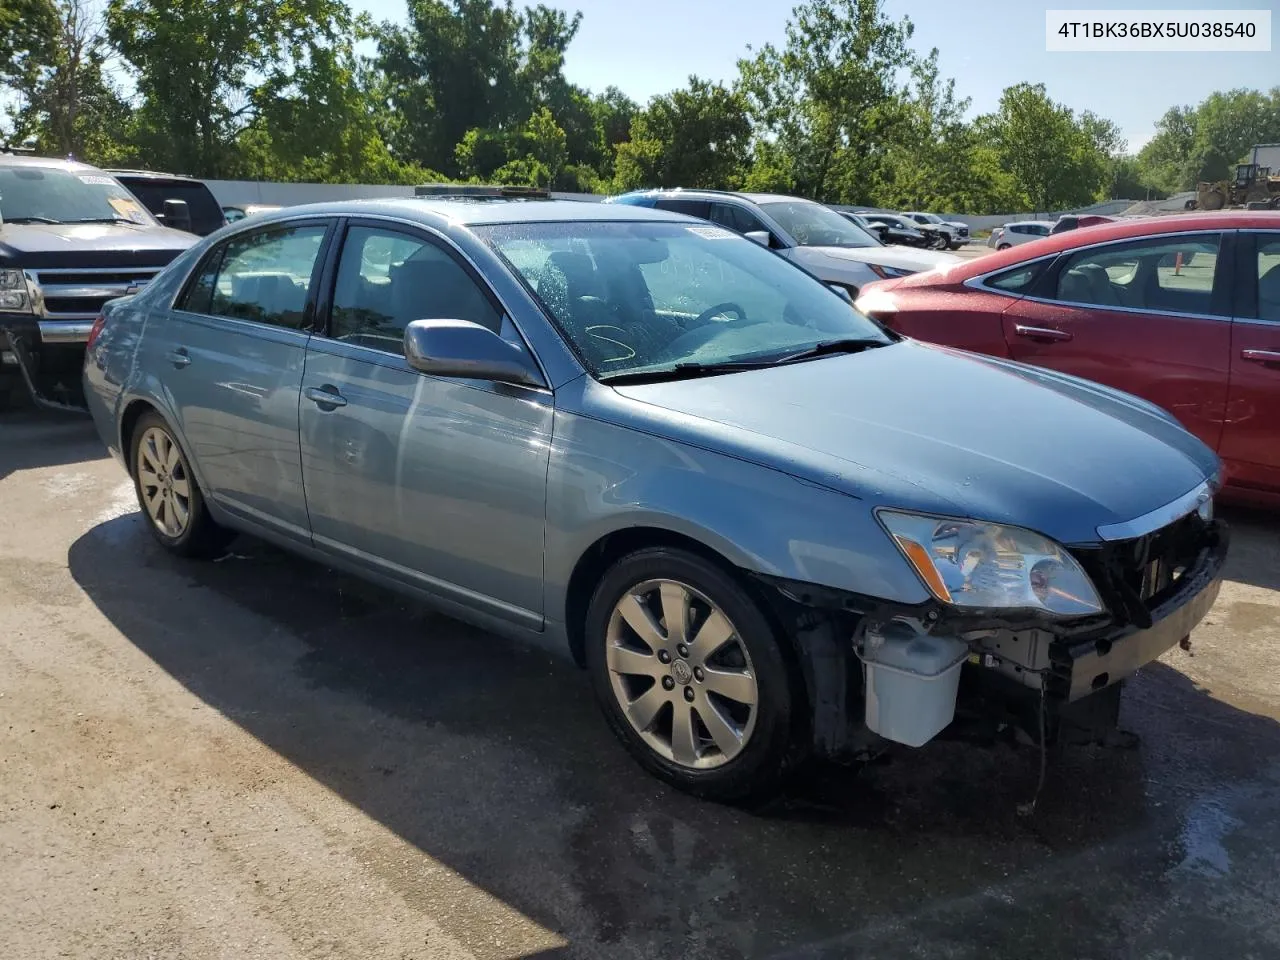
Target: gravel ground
column 260, row 758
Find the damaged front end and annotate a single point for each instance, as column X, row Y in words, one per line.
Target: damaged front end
column 879, row 671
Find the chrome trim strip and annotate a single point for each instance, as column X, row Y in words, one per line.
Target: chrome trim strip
column 74, row 292
column 1159, row 517
column 131, row 270
column 65, row 331
column 1109, row 308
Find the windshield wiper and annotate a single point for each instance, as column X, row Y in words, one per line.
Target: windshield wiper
column 828, row 347
column 132, row 223
column 30, row 220
column 687, row 371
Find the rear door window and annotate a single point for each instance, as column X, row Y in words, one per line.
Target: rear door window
column 1160, row 275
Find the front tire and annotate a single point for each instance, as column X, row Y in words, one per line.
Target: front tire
column 1004, row 246
column 168, row 494
column 691, row 676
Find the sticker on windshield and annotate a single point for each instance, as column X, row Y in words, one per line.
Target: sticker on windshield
column 105, row 181
column 712, row 233
column 128, row 208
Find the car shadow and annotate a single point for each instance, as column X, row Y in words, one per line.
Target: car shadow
column 1253, row 558
column 492, row 758
column 31, row 439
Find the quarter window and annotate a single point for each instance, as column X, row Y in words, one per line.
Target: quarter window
column 263, row 277
column 1163, row 275
column 388, row 279
column 1269, row 276
column 1017, row 280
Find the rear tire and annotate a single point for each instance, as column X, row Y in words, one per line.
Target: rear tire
column 695, row 677
column 171, row 500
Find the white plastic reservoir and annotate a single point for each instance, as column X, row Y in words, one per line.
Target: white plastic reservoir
column 912, row 681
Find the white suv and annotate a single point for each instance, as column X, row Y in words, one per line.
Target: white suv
column 958, row 232
column 809, row 234
column 1020, row 231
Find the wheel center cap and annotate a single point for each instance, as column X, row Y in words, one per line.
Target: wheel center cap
column 680, row 672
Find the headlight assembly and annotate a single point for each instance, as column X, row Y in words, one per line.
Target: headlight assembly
column 967, row 563
column 13, row 292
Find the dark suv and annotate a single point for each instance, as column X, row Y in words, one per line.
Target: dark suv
column 157, row 189
column 71, row 238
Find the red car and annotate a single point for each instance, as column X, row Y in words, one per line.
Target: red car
column 1181, row 310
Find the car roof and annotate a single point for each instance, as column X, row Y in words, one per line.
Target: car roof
column 437, row 211
column 152, row 175
column 1020, row 223
column 1128, row 229
column 26, row 160
column 698, row 193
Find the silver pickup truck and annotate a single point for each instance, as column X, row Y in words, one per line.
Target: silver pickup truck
column 71, row 238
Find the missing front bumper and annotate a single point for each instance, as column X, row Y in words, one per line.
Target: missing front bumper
column 1016, row 667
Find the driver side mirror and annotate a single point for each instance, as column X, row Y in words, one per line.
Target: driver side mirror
column 759, row 236
column 460, row 348
column 842, row 292
column 177, row 215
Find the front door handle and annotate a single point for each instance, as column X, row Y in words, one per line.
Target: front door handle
column 1041, row 333
column 326, row 397
column 179, row 357
column 1261, row 356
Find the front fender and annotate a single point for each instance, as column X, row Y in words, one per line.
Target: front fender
column 604, row 478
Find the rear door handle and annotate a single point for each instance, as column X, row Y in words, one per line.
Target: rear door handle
column 1041, row 333
column 179, row 358
column 326, row 397
column 1261, row 356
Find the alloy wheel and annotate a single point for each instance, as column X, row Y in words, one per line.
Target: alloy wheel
column 163, row 480
column 681, row 675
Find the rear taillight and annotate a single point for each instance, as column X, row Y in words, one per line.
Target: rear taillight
column 95, row 331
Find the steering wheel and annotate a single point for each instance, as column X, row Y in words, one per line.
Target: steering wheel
column 727, row 307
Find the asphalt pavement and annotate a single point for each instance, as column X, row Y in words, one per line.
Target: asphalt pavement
column 258, row 757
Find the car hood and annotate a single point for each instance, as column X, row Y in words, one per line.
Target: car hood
column 904, row 258
column 28, row 243
column 928, row 428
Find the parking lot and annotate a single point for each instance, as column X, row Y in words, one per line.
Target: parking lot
column 259, row 758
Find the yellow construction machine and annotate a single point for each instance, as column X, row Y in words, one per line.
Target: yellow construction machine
column 1254, row 188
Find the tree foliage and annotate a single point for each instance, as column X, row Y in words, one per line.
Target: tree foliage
column 843, row 109
column 1205, row 142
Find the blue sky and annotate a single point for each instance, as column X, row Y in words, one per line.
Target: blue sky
column 646, row 47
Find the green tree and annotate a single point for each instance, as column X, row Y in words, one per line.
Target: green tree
column 459, row 65
column 1205, row 142
column 327, row 79
column 197, row 65
column 695, row 137
column 1050, row 153
column 66, row 104
column 28, row 32
column 828, row 100
column 1164, row 161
